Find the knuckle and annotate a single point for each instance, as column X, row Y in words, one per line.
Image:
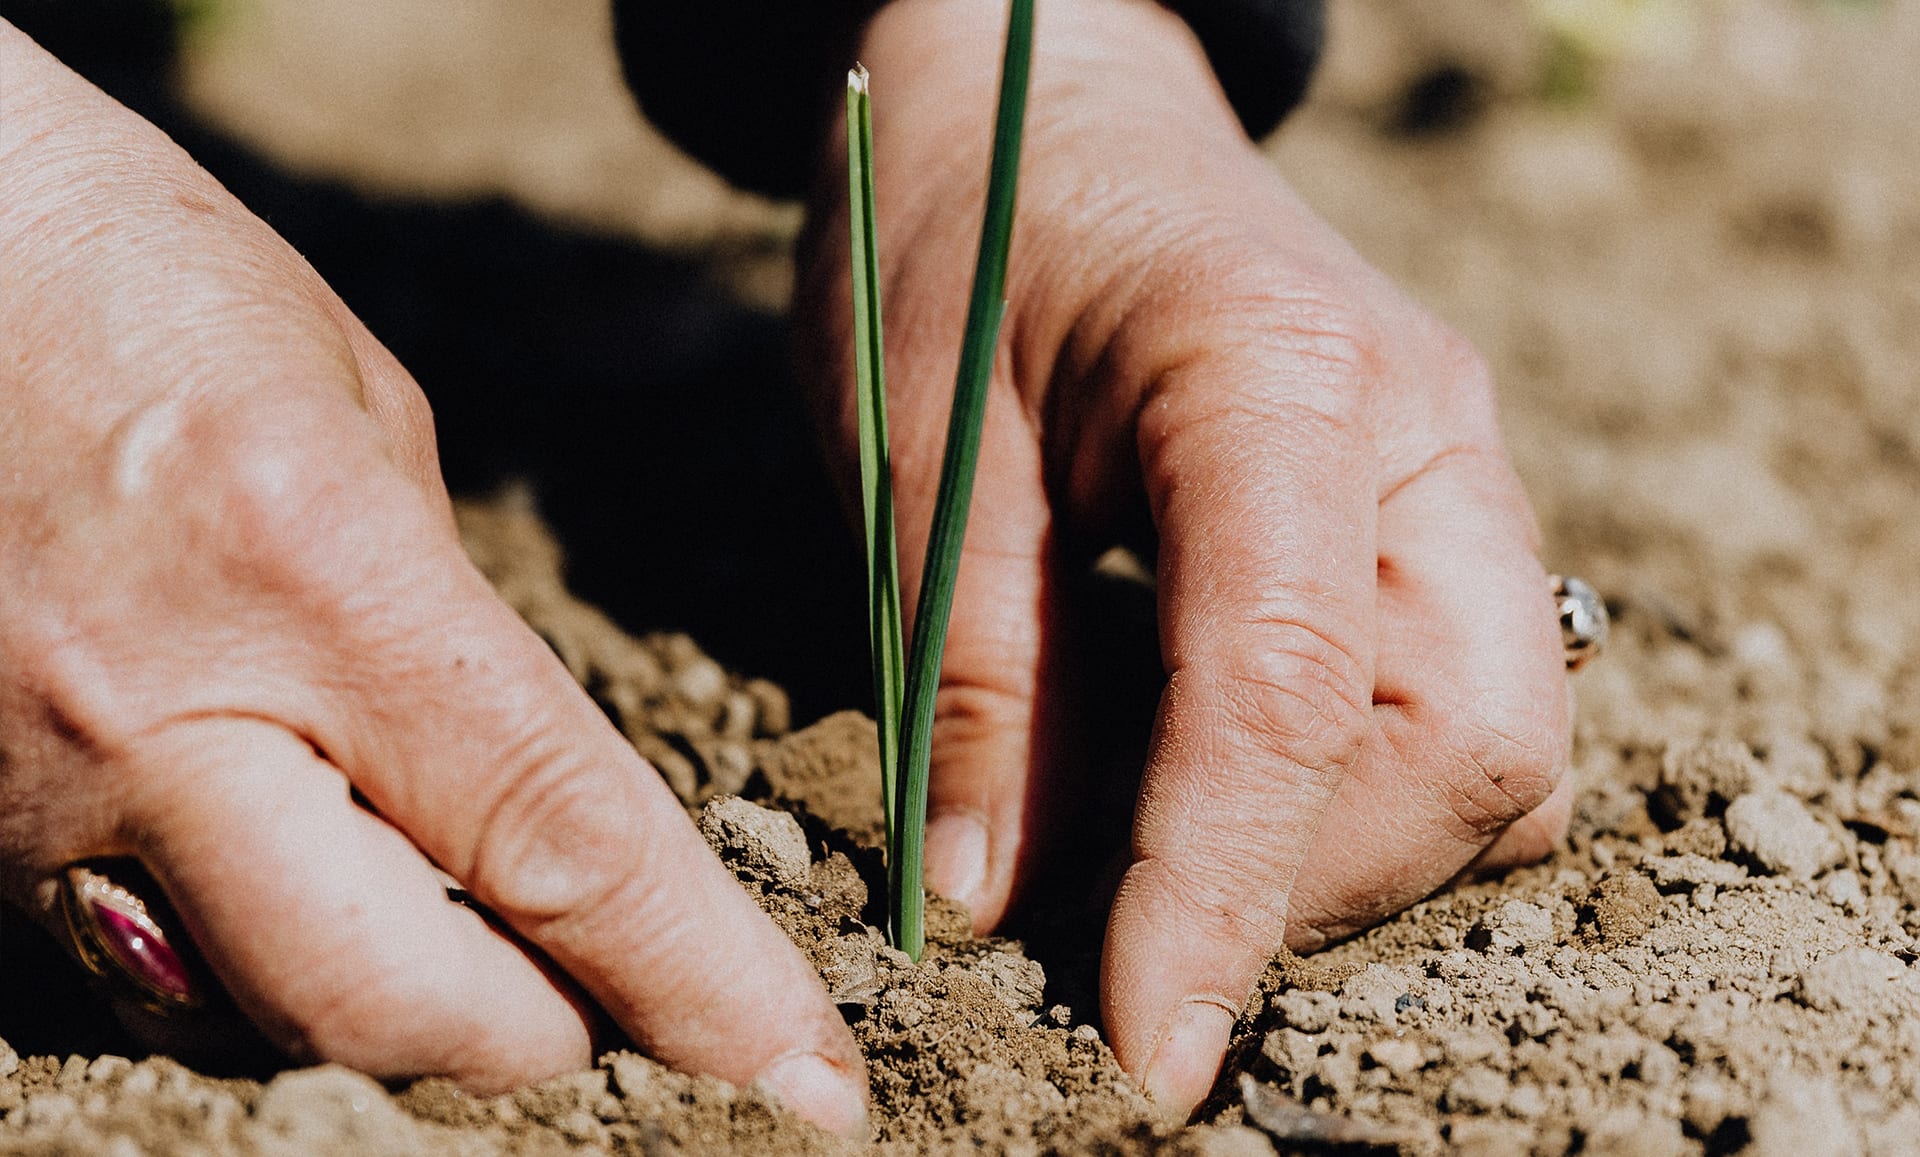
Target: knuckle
column 1319, row 344
column 1234, row 435
column 277, row 503
column 57, row 710
column 1457, row 383
column 1305, row 694
column 1460, row 360
column 1503, row 769
column 1311, row 330
column 313, row 514
column 970, row 713
column 1315, row 327
column 556, row 845
column 1473, row 468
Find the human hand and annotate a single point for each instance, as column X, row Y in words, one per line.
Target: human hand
column 1365, row 685
column 233, row 593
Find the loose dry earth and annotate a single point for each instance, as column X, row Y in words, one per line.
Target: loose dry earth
column 1699, row 287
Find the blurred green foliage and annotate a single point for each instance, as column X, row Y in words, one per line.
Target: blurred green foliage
column 1583, row 36
column 198, row 17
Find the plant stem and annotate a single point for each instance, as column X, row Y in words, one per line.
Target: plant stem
column 985, row 310
column 876, row 471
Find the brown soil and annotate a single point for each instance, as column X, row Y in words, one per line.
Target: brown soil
column 1699, row 287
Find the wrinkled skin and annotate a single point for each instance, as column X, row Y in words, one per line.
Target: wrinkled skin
column 1365, row 688
column 232, row 592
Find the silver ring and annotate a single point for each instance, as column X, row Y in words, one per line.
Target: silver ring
column 1583, row 619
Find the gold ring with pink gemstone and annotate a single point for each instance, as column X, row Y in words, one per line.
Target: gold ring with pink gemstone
column 138, row 951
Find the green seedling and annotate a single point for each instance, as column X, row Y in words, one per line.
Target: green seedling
column 904, row 682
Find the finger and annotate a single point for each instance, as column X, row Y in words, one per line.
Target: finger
column 1470, row 698
column 327, row 927
column 1260, row 486
column 984, row 731
column 476, row 742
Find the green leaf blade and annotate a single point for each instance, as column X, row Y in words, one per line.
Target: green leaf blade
column 876, row 472
column 985, row 310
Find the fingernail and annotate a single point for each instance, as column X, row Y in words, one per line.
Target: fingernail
column 956, row 855
column 819, row 1091
column 1192, row 1045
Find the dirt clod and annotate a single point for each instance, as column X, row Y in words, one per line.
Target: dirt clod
column 1852, row 979
column 765, row 844
column 1780, row 834
column 1625, row 905
column 1514, row 927
column 1699, row 778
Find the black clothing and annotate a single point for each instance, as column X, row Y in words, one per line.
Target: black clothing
column 746, row 85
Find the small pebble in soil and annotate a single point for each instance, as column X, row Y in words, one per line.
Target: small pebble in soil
column 1701, row 777
column 727, row 764
column 1223, row 1141
column 1842, row 889
column 1374, row 992
column 1399, row 1057
column 1018, row 982
column 772, row 714
column 1777, row 832
column 738, row 714
column 1852, row 978
column 764, row 842
column 1624, row 906
column 1307, row 1011
column 1527, row 1102
column 1477, row 1090
column 1514, row 927
column 849, row 970
column 330, row 1109
column 1629, row 1132
column 1292, row 1123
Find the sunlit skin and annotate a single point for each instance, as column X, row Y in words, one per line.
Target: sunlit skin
column 1366, row 688
column 233, row 591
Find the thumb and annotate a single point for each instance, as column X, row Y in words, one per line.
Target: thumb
column 988, row 740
